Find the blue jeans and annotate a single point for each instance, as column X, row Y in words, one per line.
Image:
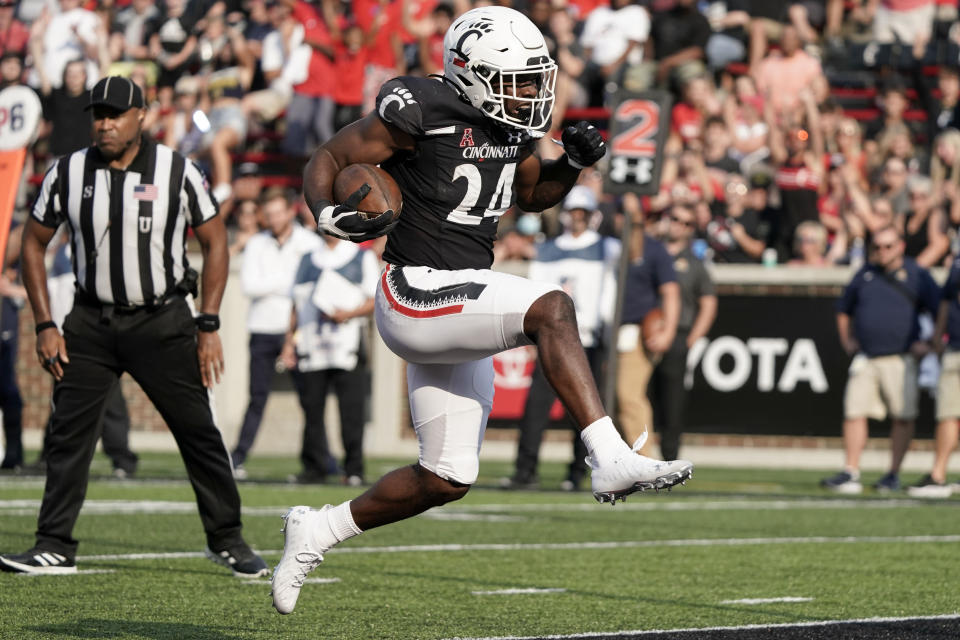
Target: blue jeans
column 264, row 350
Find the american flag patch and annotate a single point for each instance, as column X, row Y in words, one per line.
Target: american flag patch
column 145, row 192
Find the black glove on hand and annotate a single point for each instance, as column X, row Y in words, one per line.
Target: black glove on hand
column 345, row 222
column 584, row 144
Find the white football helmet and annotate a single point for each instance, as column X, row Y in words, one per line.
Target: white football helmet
column 490, row 51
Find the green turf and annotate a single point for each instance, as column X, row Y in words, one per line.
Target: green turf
column 783, row 537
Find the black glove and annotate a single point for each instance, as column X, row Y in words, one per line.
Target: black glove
column 345, row 222
column 584, row 144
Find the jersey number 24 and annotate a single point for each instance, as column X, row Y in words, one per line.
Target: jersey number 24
column 466, row 212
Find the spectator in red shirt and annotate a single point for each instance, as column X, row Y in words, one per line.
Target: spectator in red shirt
column 311, row 110
column 349, row 62
column 381, row 21
column 431, row 46
column 582, row 8
column 698, row 102
column 13, row 34
column 797, row 154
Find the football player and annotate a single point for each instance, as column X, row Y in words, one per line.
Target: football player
column 461, row 147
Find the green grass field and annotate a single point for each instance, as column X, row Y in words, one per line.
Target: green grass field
column 495, row 564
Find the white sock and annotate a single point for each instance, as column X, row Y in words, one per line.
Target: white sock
column 339, row 526
column 854, row 473
column 603, row 440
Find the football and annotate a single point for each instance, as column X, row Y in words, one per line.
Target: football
column 652, row 322
column 384, row 191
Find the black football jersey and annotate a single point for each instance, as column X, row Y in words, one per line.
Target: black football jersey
column 456, row 183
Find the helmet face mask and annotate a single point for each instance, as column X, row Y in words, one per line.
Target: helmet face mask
column 499, row 61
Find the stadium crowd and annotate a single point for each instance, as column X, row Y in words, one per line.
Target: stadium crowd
column 798, row 128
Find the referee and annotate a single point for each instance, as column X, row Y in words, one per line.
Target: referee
column 128, row 202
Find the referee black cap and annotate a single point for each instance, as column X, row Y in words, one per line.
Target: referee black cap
column 117, row 92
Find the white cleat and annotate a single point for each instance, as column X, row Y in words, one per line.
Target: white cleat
column 299, row 557
column 633, row 472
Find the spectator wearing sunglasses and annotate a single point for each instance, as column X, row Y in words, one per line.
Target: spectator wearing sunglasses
column 698, row 310
column 878, row 319
column 809, row 245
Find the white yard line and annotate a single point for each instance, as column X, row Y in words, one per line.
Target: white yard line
column 490, row 512
column 688, row 504
column 819, row 623
column 450, row 516
column 566, row 546
column 766, row 600
column 514, row 592
column 307, row 581
column 60, row 575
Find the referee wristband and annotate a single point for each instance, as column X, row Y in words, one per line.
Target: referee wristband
column 43, row 326
column 208, row 322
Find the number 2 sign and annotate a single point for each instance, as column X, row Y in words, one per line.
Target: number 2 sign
column 638, row 128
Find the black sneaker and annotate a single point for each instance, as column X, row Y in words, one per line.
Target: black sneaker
column 11, row 464
column 889, row 483
column 13, row 459
column 39, row 562
column 241, row 560
column 927, row 487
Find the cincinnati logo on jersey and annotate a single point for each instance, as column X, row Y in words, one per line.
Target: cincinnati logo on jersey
column 486, row 150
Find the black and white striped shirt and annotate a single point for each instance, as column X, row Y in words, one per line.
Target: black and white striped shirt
column 127, row 227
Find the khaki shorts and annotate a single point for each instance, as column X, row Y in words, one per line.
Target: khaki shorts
column 905, row 26
column 881, row 386
column 267, row 104
column 948, row 388
column 772, row 29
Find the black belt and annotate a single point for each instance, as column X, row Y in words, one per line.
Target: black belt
column 108, row 309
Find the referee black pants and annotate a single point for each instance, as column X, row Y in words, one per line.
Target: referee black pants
column 159, row 349
column 115, row 432
column 669, row 396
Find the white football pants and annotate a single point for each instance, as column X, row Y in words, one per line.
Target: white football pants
column 447, row 325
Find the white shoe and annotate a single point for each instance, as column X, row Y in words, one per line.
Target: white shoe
column 927, row 487
column 299, row 556
column 843, row 483
column 633, row 472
